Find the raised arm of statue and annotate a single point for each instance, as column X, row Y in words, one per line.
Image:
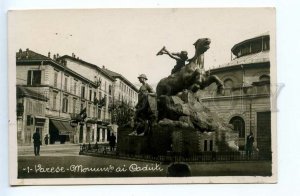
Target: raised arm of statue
column 175, row 56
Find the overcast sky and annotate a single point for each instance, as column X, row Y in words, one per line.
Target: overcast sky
column 127, row 40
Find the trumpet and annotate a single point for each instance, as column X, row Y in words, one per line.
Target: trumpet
column 161, row 51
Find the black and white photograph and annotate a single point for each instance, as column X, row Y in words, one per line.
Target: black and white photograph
column 142, row 96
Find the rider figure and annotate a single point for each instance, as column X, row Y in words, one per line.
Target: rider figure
column 180, row 58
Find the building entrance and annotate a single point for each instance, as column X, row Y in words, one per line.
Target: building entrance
column 81, row 134
column 263, row 135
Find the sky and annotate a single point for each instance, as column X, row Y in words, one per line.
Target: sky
column 127, row 40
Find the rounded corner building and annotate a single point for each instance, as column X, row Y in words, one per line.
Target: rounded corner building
column 246, row 100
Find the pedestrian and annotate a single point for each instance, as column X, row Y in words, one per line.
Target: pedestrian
column 37, row 143
column 112, row 142
column 249, row 145
column 46, row 139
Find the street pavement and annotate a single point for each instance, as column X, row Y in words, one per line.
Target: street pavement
column 51, row 150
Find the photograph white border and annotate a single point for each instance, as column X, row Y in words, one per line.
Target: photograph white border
column 287, row 31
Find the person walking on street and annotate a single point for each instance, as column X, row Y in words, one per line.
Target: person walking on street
column 46, row 139
column 112, row 142
column 36, row 142
column 249, row 144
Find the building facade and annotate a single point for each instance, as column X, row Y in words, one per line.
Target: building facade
column 125, row 98
column 246, row 100
column 124, row 90
column 66, row 94
column 31, row 108
column 98, row 123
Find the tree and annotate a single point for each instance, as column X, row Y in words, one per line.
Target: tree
column 122, row 113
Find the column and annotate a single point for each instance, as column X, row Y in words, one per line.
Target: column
column 101, row 136
column 105, row 139
column 84, row 134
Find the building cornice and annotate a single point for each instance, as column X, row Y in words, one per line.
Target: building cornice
column 24, row 62
column 249, row 97
column 89, row 64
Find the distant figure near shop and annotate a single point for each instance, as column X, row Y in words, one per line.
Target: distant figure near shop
column 112, row 142
column 37, row 143
column 249, row 145
column 46, row 139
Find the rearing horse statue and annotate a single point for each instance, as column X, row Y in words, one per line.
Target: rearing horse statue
column 192, row 76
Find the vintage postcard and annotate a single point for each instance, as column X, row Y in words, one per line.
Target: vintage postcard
column 142, row 96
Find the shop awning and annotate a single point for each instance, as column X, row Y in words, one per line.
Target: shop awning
column 68, row 127
column 63, row 127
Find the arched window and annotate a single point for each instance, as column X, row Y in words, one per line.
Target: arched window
column 228, row 83
column 264, row 78
column 238, row 125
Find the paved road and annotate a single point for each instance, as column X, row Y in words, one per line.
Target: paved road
column 51, row 150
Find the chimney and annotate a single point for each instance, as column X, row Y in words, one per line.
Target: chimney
column 27, row 53
column 103, row 67
column 19, row 54
column 54, row 57
column 72, row 54
column 57, row 55
column 49, row 55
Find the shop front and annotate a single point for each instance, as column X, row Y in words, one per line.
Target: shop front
column 61, row 132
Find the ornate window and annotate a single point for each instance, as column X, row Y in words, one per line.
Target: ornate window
column 55, row 78
column 65, row 104
column 66, row 83
column 238, row 125
column 82, row 92
column 228, row 83
column 34, row 77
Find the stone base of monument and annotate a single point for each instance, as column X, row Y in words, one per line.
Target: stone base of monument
column 158, row 142
column 180, row 141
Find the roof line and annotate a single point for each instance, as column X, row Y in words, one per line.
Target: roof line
column 117, row 75
column 248, row 40
column 61, row 66
column 87, row 63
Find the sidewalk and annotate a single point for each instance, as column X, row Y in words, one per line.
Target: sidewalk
column 51, row 150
